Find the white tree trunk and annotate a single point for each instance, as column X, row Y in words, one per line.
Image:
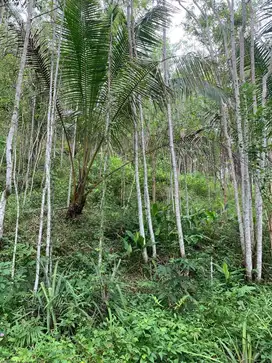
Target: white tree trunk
column 173, row 156
column 39, row 243
column 258, row 179
column 233, row 176
column 252, row 55
column 138, row 191
column 51, row 131
column 242, row 151
column 225, row 128
column 132, row 51
column 146, row 190
column 14, row 121
column 223, row 106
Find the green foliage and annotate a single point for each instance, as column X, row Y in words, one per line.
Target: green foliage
column 155, row 336
column 26, row 333
column 47, row 350
column 244, row 354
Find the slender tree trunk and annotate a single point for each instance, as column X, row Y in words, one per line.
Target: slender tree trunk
column 173, row 155
column 233, row 176
column 242, row 151
column 50, row 134
column 252, row 56
column 146, row 191
column 130, row 22
column 248, row 188
column 14, row 121
column 233, row 74
column 39, row 244
column 138, row 190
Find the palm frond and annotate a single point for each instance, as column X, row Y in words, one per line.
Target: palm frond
column 148, row 28
column 195, row 74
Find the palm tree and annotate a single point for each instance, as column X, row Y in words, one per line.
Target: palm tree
column 84, row 67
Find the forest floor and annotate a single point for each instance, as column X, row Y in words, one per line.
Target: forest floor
column 198, row 309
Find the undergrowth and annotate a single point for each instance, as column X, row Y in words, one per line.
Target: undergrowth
column 197, row 309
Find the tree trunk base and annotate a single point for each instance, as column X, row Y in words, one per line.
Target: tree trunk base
column 75, row 209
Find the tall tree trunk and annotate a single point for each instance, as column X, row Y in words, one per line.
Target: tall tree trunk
column 146, row 190
column 258, row 178
column 225, row 122
column 14, row 121
column 50, row 134
column 132, row 50
column 248, row 184
column 138, row 190
column 233, row 176
column 173, row 154
column 242, row 150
